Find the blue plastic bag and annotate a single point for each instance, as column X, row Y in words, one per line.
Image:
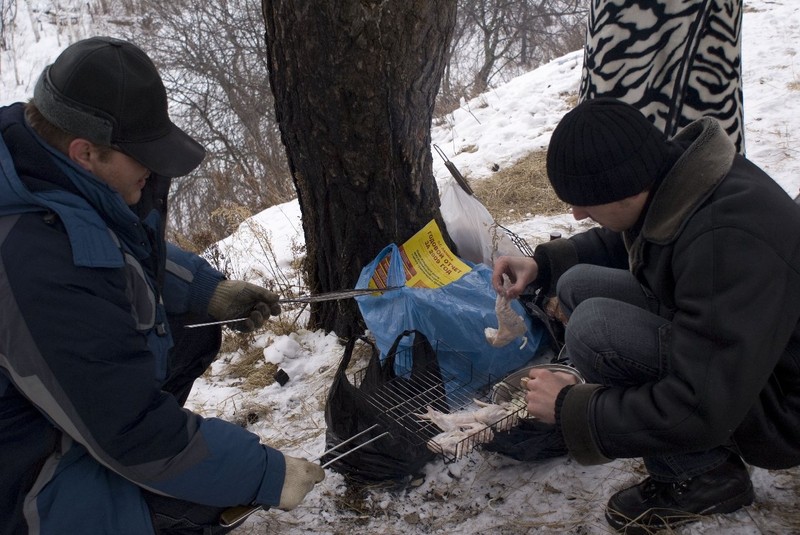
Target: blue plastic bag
column 453, row 317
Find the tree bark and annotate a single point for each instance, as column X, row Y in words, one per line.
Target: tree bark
column 355, row 83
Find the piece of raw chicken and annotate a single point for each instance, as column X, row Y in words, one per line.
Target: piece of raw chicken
column 453, row 442
column 510, row 324
column 476, row 424
column 487, row 414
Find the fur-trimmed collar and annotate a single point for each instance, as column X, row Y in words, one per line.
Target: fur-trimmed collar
column 690, row 181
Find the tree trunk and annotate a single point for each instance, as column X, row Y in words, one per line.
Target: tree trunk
column 355, row 83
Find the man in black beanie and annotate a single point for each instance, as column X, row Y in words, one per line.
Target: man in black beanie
column 95, row 363
column 681, row 312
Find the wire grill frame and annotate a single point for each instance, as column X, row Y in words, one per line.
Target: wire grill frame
column 401, row 400
column 517, row 240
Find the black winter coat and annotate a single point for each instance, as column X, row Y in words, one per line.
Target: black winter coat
column 719, row 248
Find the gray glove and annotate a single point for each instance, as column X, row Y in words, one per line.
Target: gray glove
column 301, row 476
column 239, row 299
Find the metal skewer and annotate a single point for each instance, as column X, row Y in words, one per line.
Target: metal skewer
column 233, row 515
column 194, row 325
column 327, row 296
column 348, row 452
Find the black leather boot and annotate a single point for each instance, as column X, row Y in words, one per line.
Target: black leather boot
column 652, row 505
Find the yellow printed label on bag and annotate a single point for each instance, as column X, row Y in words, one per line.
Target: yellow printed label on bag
column 427, row 261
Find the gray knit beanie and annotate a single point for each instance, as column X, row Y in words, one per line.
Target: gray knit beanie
column 604, row 151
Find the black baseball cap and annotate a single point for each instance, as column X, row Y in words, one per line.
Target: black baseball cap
column 108, row 91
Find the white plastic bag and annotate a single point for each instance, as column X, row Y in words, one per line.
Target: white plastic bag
column 472, row 228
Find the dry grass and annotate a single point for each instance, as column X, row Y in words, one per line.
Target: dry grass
column 571, row 99
column 255, row 372
column 289, row 320
column 519, row 191
column 250, row 413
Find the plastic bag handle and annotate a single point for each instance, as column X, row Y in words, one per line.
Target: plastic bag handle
column 348, row 352
column 389, row 360
column 397, row 272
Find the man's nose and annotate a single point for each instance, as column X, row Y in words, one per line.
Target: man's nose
column 579, row 213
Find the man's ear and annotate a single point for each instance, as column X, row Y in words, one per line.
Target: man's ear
column 82, row 152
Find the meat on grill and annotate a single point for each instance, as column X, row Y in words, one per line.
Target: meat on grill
column 458, row 426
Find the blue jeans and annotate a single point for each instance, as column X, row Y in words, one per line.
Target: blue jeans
column 616, row 338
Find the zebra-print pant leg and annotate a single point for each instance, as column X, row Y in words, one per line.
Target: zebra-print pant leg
column 675, row 60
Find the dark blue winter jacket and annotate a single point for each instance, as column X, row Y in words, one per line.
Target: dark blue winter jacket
column 85, row 286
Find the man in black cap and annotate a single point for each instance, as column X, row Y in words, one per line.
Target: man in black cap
column 95, row 364
column 681, row 312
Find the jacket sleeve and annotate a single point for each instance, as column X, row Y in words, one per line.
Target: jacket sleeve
column 601, row 246
column 598, row 246
column 189, row 283
column 77, row 355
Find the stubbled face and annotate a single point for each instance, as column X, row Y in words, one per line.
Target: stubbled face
column 617, row 216
column 122, row 173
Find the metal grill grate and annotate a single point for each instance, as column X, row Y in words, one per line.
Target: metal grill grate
column 412, row 393
column 517, row 240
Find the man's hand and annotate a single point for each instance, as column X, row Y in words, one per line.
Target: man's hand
column 521, row 271
column 543, row 387
column 301, row 476
column 239, row 299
